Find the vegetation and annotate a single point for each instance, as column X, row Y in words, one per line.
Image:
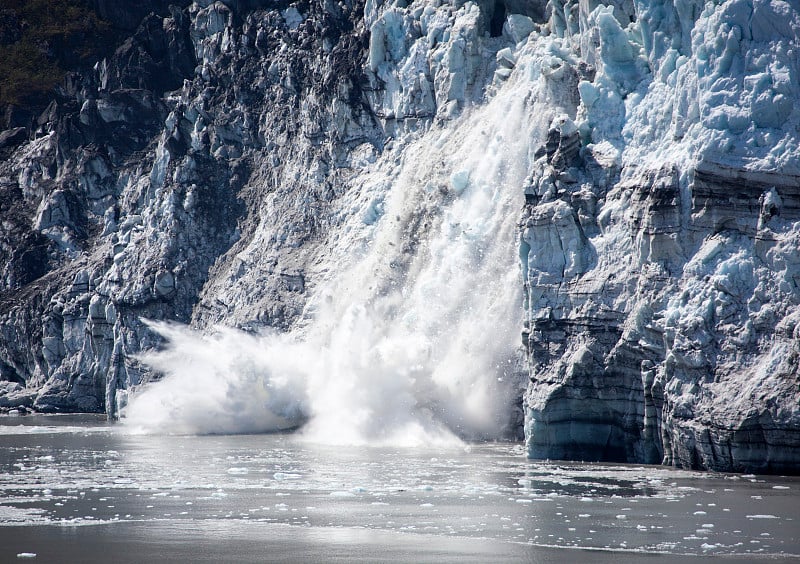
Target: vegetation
column 40, row 40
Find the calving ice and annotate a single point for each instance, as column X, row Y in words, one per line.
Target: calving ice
column 416, row 340
column 342, row 217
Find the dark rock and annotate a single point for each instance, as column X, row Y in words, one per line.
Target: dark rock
column 128, row 15
column 11, row 27
column 10, row 138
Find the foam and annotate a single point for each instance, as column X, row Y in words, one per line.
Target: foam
column 415, row 343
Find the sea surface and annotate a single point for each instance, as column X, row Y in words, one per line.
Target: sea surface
column 79, row 489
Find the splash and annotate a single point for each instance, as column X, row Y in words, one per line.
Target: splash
column 415, row 341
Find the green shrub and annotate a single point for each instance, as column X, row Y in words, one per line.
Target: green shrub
column 57, row 36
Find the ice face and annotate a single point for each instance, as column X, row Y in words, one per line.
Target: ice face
column 686, row 107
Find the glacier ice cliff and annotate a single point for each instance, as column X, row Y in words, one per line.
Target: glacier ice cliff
column 231, row 159
column 660, row 240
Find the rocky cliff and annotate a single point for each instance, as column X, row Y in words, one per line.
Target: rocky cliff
column 215, row 167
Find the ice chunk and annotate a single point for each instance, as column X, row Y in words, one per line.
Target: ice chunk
column 502, row 74
column 518, row 27
column 619, row 60
column 459, row 181
column 374, row 211
column 377, row 46
column 505, row 57
column 387, row 38
column 292, row 17
column 770, row 109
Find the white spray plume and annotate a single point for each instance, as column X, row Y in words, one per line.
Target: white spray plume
column 413, row 344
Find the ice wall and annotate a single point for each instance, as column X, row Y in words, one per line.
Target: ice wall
column 667, row 331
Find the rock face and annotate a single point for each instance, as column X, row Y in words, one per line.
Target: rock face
column 206, row 172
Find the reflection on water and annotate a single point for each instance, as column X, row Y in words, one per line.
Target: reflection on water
column 58, row 472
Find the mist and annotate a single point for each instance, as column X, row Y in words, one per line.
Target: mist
column 415, row 341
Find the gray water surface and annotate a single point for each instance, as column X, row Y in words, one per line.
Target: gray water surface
column 77, row 489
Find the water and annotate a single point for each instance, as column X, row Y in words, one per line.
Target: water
column 75, row 488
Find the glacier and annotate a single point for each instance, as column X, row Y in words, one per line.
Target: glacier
column 359, row 209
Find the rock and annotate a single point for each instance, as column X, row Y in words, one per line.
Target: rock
column 11, row 27
column 128, row 15
column 12, row 137
column 164, row 284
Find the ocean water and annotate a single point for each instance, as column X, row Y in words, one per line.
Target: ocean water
column 78, row 489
